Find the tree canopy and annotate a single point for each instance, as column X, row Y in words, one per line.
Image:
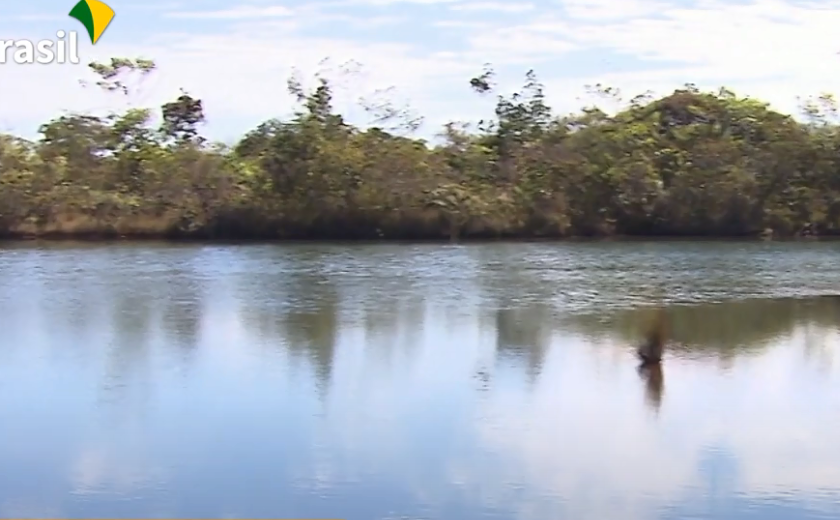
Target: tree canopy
column 692, row 163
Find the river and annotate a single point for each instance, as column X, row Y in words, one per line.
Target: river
column 394, row 381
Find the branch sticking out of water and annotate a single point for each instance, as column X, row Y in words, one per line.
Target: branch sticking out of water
column 650, row 351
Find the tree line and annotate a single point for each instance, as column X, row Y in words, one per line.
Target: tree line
column 692, row 163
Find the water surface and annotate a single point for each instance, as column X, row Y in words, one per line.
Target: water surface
column 399, row 381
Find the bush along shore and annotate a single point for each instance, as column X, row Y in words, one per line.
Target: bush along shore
column 690, row 164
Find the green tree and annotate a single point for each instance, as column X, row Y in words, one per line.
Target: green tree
column 689, row 163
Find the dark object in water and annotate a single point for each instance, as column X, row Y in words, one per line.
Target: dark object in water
column 651, row 374
column 648, row 356
column 650, row 352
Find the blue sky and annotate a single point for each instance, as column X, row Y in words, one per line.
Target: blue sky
column 237, row 55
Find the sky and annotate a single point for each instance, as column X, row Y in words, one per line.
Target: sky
column 236, row 56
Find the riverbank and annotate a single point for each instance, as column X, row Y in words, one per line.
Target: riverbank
column 397, row 239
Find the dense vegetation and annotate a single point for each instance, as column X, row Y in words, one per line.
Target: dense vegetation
column 692, row 163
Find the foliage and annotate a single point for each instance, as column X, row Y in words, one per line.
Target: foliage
column 691, row 163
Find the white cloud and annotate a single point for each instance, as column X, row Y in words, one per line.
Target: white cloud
column 38, row 18
column 241, row 73
column 366, row 22
column 461, row 24
column 389, row 2
column 236, row 13
column 494, row 6
column 601, row 10
column 768, row 49
column 514, row 44
column 771, row 49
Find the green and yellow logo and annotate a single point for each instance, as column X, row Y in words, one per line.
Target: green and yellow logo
column 94, row 15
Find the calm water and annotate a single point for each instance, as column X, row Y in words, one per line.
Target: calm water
column 394, row 381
